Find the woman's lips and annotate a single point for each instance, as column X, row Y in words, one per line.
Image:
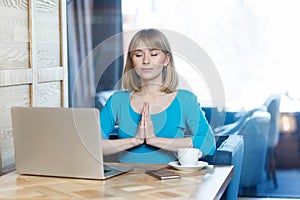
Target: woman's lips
column 146, row 69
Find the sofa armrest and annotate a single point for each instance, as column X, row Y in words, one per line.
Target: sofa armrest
column 230, row 150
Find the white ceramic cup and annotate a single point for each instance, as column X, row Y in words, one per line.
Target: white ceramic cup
column 188, row 156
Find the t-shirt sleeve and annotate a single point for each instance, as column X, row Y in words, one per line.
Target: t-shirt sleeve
column 107, row 118
column 202, row 134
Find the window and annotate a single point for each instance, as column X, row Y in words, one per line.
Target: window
column 253, row 44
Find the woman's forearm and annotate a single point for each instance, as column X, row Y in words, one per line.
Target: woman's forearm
column 115, row 146
column 170, row 144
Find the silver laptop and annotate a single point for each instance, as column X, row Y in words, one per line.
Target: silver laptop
column 63, row 142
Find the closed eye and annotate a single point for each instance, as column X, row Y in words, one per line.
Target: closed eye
column 138, row 54
column 155, row 52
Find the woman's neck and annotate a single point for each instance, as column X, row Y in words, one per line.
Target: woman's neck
column 151, row 91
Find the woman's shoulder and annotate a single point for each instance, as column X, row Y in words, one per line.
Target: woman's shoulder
column 120, row 94
column 187, row 101
column 117, row 97
column 185, row 94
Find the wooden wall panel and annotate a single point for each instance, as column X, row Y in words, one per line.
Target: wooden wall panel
column 14, row 44
column 15, row 77
column 48, row 33
column 33, row 62
column 6, row 151
column 48, row 56
column 49, row 94
column 50, row 74
column 14, row 55
column 12, row 96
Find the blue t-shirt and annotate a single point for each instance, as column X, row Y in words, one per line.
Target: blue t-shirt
column 182, row 118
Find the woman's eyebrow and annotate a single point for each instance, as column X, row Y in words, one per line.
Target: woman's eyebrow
column 137, row 50
column 153, row 49
column 150, row 49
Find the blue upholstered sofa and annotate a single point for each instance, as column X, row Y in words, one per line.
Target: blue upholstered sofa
column 253, row 126
column 230, row 150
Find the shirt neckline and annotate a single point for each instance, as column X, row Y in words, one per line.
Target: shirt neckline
column 172, row 102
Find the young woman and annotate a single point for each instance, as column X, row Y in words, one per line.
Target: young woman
column 154, row 117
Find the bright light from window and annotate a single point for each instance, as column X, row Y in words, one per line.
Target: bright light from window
column 254, row 44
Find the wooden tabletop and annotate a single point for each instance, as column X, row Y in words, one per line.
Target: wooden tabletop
column 203, row 184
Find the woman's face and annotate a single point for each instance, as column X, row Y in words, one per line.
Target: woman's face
column 148, row 63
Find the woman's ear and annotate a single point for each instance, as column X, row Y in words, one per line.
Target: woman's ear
column 167, row 59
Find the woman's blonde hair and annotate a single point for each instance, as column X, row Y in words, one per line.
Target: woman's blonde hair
column 152, row 38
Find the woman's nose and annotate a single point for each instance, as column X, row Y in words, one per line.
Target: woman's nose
column 146, row 59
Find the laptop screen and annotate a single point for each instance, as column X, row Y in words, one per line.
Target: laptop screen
column 58, row 142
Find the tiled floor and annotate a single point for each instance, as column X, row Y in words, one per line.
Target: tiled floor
column 288, row 186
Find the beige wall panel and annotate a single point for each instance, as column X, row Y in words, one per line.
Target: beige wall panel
column 49, row 6
column 49, row 94
column 7, row 153
column 32, row 41
column 48, row 33
column 11, row 77
column 14, row 46
column 48, row 27
column 12, row 96
column 19, row 4
column 14, row 55
column 48, row 54
column 50, row 74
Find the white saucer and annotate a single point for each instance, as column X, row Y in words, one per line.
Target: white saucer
column 197, row 167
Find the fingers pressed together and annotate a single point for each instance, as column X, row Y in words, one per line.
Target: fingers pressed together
column 145, row 129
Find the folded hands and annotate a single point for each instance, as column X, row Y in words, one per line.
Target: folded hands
column 145, row 131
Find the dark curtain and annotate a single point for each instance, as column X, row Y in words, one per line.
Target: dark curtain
column 107, row 24
column 90, row 23
column 81, row 66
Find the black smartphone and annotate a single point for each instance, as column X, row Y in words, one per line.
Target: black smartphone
column 163, row 174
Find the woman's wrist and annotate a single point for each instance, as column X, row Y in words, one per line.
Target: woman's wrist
column 137, row 141
column 151, row 140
